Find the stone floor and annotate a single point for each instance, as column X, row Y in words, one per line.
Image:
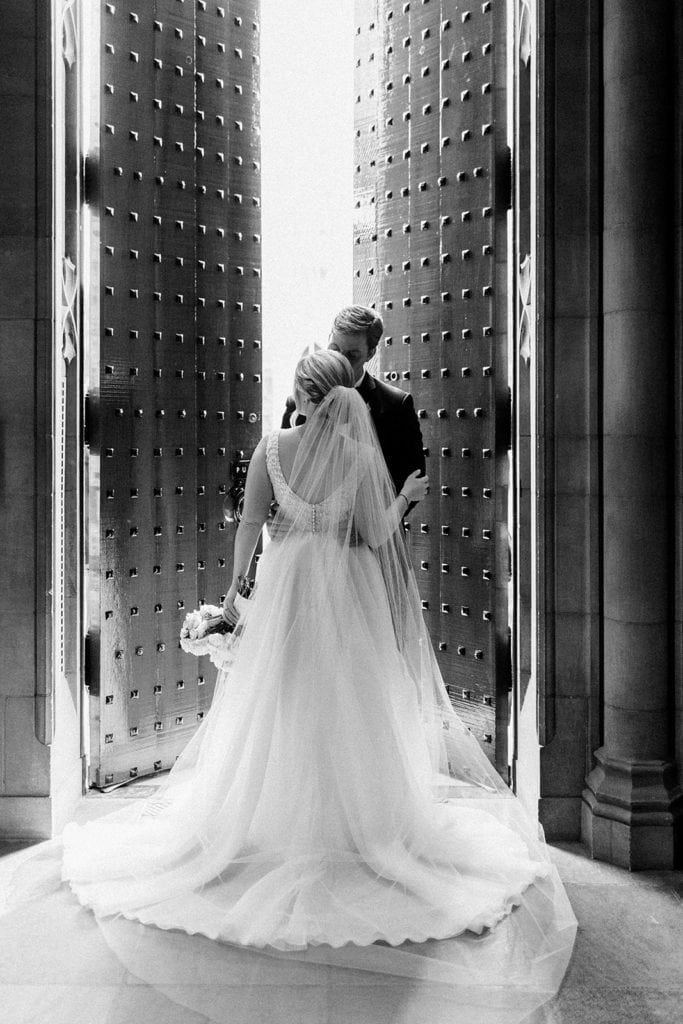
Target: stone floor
column 627, row 967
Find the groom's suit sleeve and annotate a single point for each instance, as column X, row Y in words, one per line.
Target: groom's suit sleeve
column 408, row 445
column 409, row 439
column 287, row 414
column 398, row 429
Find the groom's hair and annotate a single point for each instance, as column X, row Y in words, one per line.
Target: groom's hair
column 359, row 320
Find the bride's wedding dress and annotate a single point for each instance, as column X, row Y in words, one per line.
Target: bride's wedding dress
column 332, row 799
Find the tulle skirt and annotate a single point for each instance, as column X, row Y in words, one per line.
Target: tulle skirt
column 304, row 819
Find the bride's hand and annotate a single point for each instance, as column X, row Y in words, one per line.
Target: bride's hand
column 230, row 613
column 415, row 487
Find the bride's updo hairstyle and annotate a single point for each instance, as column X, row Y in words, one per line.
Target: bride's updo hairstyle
column 318, row 373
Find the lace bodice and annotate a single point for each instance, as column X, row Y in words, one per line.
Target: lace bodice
column 310, row 518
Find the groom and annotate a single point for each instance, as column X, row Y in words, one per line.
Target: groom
column 355, row 333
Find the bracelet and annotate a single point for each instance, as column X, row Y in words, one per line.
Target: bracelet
column 402, row 495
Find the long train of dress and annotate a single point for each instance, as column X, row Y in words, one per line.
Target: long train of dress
column 304, row 819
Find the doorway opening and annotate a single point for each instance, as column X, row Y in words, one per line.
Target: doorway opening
column 307, row 125
column 276, row 184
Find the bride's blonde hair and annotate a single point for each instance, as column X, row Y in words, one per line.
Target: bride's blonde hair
column 317, row 374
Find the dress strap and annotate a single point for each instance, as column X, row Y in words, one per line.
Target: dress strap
column 273, row 460
column 271, row 441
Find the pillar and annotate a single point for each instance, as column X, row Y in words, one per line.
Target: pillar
column 25, row 400
column 631, row 807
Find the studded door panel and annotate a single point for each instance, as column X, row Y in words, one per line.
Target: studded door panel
column 174, row 356
column 425, row 255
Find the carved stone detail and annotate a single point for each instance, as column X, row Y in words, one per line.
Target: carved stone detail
column 69, row 326
column 69, row 34
column 525, row 42
column 524, row 330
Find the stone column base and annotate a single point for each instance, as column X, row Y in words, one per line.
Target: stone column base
column 25, row 818
column 632, row 813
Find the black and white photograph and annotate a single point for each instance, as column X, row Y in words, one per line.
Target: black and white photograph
column 341, row 504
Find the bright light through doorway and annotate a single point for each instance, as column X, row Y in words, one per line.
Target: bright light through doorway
column 307, row 182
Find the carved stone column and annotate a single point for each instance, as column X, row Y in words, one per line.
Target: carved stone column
column 631, row 804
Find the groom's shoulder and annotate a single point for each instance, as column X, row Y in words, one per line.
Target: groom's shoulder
column 290, row 406
column 389, row 393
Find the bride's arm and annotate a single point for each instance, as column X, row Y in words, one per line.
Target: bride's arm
column 376, row 526
column 258, row 495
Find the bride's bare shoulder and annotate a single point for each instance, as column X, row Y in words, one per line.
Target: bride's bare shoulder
column 288, row 438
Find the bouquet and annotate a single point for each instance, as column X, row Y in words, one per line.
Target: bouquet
column 205, row 631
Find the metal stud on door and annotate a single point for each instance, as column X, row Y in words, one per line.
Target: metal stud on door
column 174, row 357
column 436, row 227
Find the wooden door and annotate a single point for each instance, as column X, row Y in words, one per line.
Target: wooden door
column 432, row 194
column 173, row 360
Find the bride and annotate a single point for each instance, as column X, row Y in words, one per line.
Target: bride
column 332, row 800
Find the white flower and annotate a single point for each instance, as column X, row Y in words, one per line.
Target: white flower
column 200, row 634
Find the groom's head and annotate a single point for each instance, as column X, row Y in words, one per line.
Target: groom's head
column 355, row 333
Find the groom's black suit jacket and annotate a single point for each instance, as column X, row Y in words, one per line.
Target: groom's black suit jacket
column 396, row 423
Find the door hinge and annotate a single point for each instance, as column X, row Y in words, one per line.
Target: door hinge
column 504, row 179
column 90, row 177
column 89, row 422
column 91, row 666
column 504, row 422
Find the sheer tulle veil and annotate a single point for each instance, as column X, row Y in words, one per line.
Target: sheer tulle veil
column 340, row 470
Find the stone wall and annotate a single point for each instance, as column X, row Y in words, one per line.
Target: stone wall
column 570, row 331
column 25, row 422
